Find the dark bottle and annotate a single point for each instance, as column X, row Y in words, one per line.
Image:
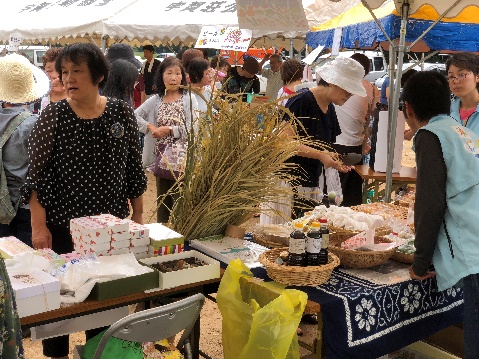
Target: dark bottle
column 323, row 253
column 313, row 244
column 297, row 246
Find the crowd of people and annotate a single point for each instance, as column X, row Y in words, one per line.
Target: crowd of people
column 103, row 119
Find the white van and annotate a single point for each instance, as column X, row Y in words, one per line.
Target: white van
column 34, row 53
column 378, row 63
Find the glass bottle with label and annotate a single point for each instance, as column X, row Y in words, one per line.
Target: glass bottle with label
column 297, row 246
column 313, row 244
column 324, row 230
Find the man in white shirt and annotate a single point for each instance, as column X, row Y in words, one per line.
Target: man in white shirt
column 273, row 75
column 353, row 119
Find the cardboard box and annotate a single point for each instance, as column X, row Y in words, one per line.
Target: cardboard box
column 120, row 244
column 167, row 250
column 120, row 236
column 138, row 230
column 139, row 249
column 124, row 286
column 12, row 246
column 115, row 224
column 162, row 236
column 35, row 293
column 188, row 275
column 140, row 242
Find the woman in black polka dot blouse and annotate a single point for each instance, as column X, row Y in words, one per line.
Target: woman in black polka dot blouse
column 85, row 158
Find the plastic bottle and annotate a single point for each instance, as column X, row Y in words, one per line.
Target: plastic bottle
column 297, row 246
column 313, row 244
column 323, row 253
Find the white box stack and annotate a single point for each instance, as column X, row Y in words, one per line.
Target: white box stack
column 106, row 234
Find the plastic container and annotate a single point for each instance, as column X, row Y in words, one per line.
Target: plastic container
column 297, row 246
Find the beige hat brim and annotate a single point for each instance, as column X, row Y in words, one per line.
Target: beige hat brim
column 40, row 85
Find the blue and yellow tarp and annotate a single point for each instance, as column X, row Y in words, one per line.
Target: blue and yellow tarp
column 359, row 30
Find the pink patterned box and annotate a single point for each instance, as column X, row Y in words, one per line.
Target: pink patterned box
column 87, row 227
column 138, row 230
column 116, row 224
column 140, row 242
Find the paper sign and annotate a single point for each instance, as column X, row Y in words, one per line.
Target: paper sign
column 14, row 41
column 224, row 38
column 211, row 37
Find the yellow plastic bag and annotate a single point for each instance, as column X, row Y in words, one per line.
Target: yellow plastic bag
column 259, row 319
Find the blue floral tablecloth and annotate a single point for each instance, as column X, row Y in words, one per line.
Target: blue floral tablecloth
column 363, row 319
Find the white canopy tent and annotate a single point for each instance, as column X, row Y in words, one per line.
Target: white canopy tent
column 274, row 22
column 50, row 20
column 282, row 23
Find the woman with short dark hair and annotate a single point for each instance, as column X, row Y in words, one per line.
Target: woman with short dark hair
column 201, row 76
column 84, row 160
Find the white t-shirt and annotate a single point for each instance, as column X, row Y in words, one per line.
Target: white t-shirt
column 352, row 116
column 202, row 106
column 274, row 82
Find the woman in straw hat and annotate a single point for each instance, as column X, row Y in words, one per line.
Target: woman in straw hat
column 21, row 83
column 84, row 159
column 314, row 108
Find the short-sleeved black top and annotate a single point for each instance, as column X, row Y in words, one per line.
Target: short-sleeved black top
column 83, row 167
column 318, row 126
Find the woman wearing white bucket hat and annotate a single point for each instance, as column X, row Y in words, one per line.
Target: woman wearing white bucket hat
column 20, row 83
column 337, row 81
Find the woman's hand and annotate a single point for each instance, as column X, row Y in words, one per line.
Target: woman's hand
column 161, row 131
column 416, row 277
column 328, row 161
column 41, row 237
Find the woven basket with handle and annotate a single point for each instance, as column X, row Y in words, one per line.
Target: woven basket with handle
column 291, row 275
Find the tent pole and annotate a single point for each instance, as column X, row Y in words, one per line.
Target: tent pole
column 291, row 46
column 393, row 106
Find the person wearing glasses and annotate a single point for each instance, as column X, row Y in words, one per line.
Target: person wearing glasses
column 463, row 78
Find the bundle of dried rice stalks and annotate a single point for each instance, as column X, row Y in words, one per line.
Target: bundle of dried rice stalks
column 236, row 158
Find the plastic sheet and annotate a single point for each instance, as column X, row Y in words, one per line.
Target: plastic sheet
column 259, row 319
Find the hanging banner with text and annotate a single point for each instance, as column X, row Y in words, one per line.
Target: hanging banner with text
column 224, row 38
column 280, row 15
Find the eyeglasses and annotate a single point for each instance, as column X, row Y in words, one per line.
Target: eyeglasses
column 458, row 78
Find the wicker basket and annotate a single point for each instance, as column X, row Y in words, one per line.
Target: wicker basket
column 341, row 233
column 262, row 240
column 402, row 257
column 299, row 276
column 271, row 235
column 360, row 259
